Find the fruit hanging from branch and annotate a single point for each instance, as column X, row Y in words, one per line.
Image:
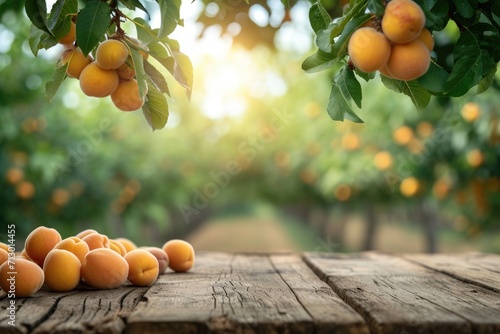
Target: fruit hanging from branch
column 106, row 59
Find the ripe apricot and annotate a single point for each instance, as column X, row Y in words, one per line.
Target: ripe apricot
column 74, row 245
column 368, row 49
column 403, row 135
column 125, row 72
column 104, row 268
column 62, row 270
column 25, row 190
column 427, row 38
column 98, row 82
column 161, row 256
column 180, row 255
column 28, row 277
column 117, row 247
column 111, row 54
column 14, row 175
column 4, row 246
column 128, row 244
column 126, row 97
column 475, row 158
column 96, row 240
column 408, row 61
column 76, row 61
column 470, row 111
column 4, row 256
column 86, row 232
column 40, row 242
column 403, row 21
column 409, row 187
column 383, row 160
column 70, row 37
column 143, row 267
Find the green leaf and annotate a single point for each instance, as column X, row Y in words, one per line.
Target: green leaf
column 158, row 50
column 285, row 3
column 133, row 4
column 156, row 77
column 487, row 81
column 144, row 31
column 434, row 79
column 53, row 85
column 35, row 36
column 319, row 17
column 318, row 61
column 349, row 85
column 364, row 75
column 155, row 109
column 418, row 94
column 140, row 74
column 170, row 12
column 183, row 71
column 93, row 21
column 467, row 68
column 37, row 13
column 376, row 7
column 339, row 106
column 436, row 13
column 60, row 17
column 464, row 8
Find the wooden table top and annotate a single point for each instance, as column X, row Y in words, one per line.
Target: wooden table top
column 284, row 293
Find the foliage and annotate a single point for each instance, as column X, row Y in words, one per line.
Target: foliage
column 98, row 20
column 476, row 51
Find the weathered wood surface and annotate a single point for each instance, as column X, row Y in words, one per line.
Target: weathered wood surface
column 284, row 293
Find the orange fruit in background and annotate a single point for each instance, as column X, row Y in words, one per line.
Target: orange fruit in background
column 25, row 190
column 403, row 135
column 14, row 175
column 410, row 186
column 383, row 160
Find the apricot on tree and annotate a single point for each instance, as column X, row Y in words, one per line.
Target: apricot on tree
column 76, row 61
column 408, row 61
column 126, row 97
column 98, row 82
column 403, row 21
column 111, row 54
column 368, row 49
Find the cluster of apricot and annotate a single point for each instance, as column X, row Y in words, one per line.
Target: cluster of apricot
column 399, row 49
column 88, row 257
column 110, row 74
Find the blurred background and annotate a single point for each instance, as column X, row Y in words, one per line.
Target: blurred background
column 252, row 162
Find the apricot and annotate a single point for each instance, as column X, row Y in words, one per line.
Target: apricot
column 125, row 72
column 40, row 242
column 111, row 54
column 470, row 111
column 4, row 256
column 14, row 175
column 96, row 240
column 409, row 187
column 28, row 277
column 383, row 160
column 117, row 247
column 86, row 232
column 475, row 158
column 128, row 244
column 4, row 246
column 25, row 190
column 161, row 256
column 98, row 82
column 74, row 245
column 70, row 37
column 368, row 49
column 180, row 255
column 76, row 61
column 25, row 255
column 408, row 61
column 143, row 267
column 126, row 97
column 427, row 38
column 62, row 270
column 403, row 21
column 104, row 268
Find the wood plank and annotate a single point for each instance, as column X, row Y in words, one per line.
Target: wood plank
column 329, row 313
column 395, row 295
column 79, row 311
column 239, row 293
column 476, row 268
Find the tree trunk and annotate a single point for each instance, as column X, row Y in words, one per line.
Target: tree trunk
column 429, row 225
column 371, row 226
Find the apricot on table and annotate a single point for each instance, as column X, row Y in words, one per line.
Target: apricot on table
column 74, row 245
column 127, row 243
column 403, row 21
column 76, row 61
column 161, row 256
column 84, row 233
column 40, row 242
column 62, row 270
column 180, row 255
column 70, row 37
column 117, row 247
column 104, row 268
column 4, row 256
column 143, row 267
column 98, row 82
column 126, row 97
column 96, row 240
column 408, row 61
column 29, row 277
column 111, row 54
column 368, row 49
